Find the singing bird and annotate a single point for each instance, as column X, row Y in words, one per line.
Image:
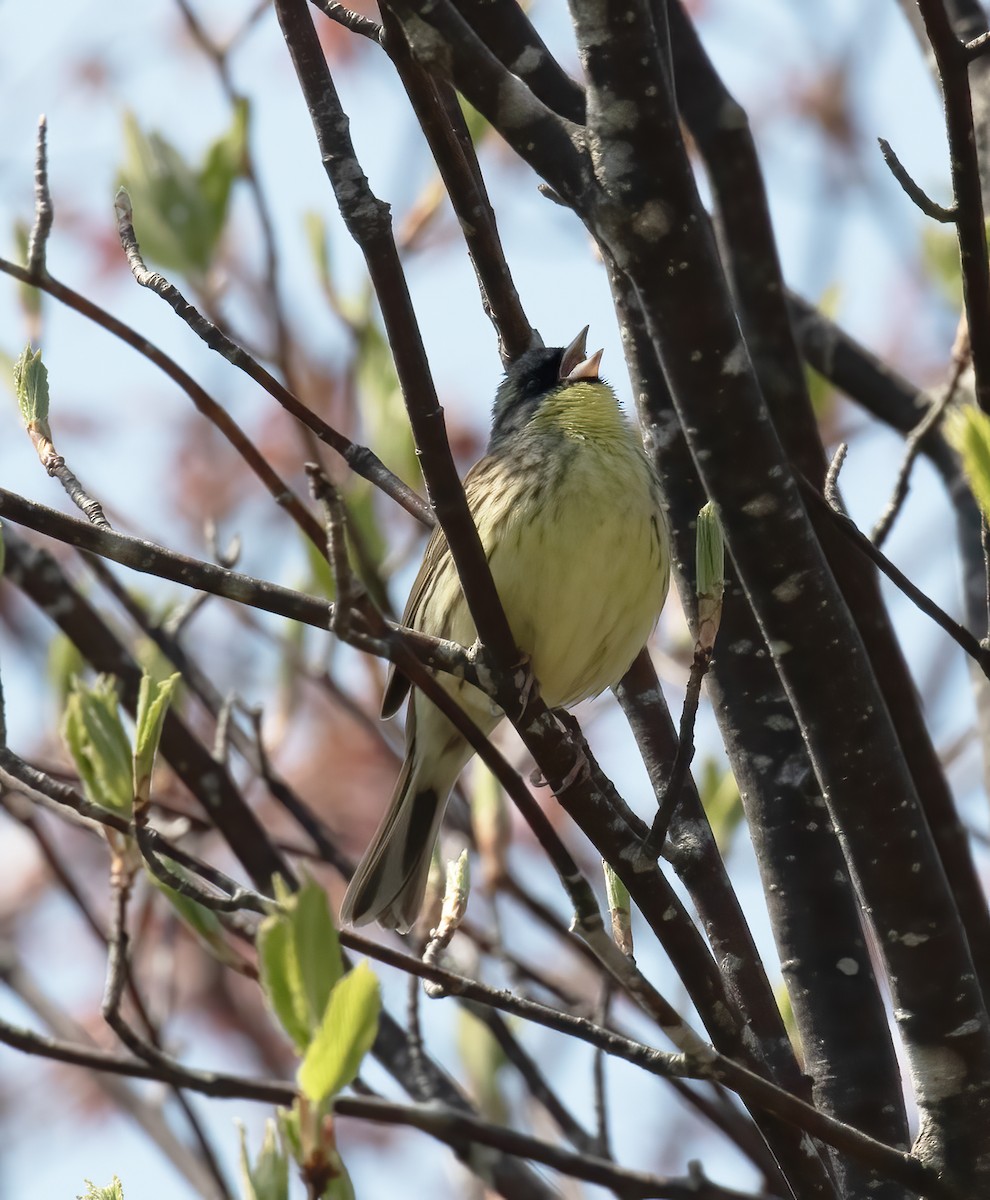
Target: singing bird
column 567, row 506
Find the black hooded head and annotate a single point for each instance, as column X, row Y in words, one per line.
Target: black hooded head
column 532, row 377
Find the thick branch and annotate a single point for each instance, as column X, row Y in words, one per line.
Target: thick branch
column 841, row 711
column 952, row 61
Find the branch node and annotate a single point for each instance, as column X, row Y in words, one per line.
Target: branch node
column 977, row 47
column 682, row 759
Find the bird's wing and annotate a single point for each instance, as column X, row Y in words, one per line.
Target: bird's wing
column 396, row 684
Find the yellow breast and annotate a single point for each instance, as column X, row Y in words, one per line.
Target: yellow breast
column 578, row 546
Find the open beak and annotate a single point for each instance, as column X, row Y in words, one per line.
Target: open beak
column 575, row 363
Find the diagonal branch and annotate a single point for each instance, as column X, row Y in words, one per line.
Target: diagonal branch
column 839, row 706
column 952, row 62
column 441, row 120
column 367, row 220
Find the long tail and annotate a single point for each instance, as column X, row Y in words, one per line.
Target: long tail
column 390, row 881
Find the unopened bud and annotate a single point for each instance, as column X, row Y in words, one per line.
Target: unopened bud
column 710, row 566
column 455, row 896
column 619, row 907
column 31, row 389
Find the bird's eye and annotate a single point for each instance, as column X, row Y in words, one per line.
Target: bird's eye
column 544, row 378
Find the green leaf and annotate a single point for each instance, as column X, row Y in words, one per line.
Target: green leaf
column 223, row 163
column 153, row 701
column 821, row 393
column 317, row 948
column 940, row 257
column 709, row 553
column 721, row 801
column 114, row 1191
column 202, row 922
column 968, row 430
column 170, row 215
column 31, row 390
column 279, row 979
column 300, row 960
column 95, row 735
column 289, row 1128
column 483, row 1060
column 477, row 126
column 268, row 1179
column 179, row 210
column 321, row 581
column 340, row 1187
column 783, row 998
column 315, row 229
column 345, row 1035
column 64, row 664
column 382, row 406
column 362, row 518
column 30, row 297
column 620, row 909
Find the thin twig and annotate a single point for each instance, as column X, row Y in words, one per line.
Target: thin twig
column 368, row 221
column 340, row 14
column 44, row 212
column 952, row 60
column 831, row 486
column 602, row 1140
column 414, row 1029
column 961, row 636
column 978, row 46
column 531, row 1074
column 154, row 845
column 912, row 448
column 22, row 813
column 174, row 622
column 685, row 753
column 78, row 1054
column 358, row 458
column 72, row 1044
column 152, row 559
column 985, row 544
column 927, row 205
column 439, row 114
column 44, row 215
column 41, row 578
column 899, row 1165
column 280, row 491
column 251, row 748
column 219, row 56
column 87, row 504
column 119, row 980
column 238, row 899
column 586, row 911
column 349, row 591
column 300, row 812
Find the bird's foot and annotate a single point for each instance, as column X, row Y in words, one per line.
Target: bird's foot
column 524, row 686
column 580, row 769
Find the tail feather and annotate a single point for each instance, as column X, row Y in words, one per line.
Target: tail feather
column 390, row 881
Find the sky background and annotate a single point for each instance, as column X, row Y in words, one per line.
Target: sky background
column 820, row 81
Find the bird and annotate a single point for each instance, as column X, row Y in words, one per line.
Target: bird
column 568, row 508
